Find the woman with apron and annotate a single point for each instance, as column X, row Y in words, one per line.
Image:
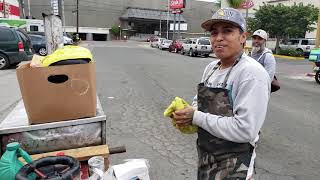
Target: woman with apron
column 231, row 103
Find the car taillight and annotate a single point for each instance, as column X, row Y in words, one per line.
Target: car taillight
column 20, row 47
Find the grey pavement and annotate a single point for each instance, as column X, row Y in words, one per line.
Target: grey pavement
column 10, row 92
column 135, row 83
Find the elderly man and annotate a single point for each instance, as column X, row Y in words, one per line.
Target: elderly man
column 262, row 54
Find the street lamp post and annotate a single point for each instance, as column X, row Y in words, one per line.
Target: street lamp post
column 120, row 32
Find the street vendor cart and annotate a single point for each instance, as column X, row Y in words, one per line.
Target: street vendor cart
column 54, row 136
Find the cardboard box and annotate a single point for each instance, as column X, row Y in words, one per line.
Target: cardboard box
column 58, row 93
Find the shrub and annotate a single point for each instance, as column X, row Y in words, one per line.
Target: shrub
column 291, row 52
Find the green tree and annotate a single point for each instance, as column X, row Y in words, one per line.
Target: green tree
column 284, row 21
column 115, row 30
column 235, row 3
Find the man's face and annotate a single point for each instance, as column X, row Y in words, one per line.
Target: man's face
column 226, row 40
column 257, row 41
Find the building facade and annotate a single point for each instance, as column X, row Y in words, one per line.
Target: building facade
column 138, row 18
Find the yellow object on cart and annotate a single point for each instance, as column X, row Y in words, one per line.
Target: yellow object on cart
column 178, row 104
column 67, row 53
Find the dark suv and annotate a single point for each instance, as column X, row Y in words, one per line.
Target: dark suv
column 15, row 46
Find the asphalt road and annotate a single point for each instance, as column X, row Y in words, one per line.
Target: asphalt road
column 135, row 83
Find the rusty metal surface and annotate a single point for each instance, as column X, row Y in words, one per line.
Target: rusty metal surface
column 17, row 120
column 47, row 140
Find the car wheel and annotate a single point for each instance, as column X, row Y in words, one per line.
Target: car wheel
column 182, row 51
column 4, row 61
column 169, row 50
column 191, row 53
column 299, row 50
column 206, row 55
column 317, row 77
column 43, row 51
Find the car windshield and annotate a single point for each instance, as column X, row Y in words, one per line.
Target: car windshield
column 6, row 35
column 167, row 41
column 204, row 42
column 36, row 39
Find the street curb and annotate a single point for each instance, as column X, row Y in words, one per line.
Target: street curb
column 7, row 106
column 288, row 57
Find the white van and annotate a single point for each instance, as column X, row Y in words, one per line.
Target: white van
column 299, row 44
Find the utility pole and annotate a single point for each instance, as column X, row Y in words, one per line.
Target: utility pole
column 160, row 24
column 77, row 17
column 174, row 26
column 4, row 8
column 179, row 24
column 21, row 2
column 61, row 13
column 29, row 11
column 168, row 13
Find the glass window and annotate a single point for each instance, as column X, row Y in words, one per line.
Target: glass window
column 24, row 38
column 311, row 42
column 304, row 42
column 6, row 35
column 34, row 28
column 35, row 38
column 204, row 42
column 293, row 42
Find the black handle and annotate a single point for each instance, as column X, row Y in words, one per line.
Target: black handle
column 116, row 150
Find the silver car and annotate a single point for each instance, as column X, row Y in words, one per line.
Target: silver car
column 197, row 46
column 156, row 42
column 165, row 44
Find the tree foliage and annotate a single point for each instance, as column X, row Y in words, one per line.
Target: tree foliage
column 284, row 21
column 235, row 3
column 115, row 30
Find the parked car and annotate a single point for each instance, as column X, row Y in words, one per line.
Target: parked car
column 165, row 44
column 39, row 44
column 15, row 46
column 176, row 45
column 67, row 40
column 197, row 46
column 152, row 38
column 156, row 42
column 299, row 44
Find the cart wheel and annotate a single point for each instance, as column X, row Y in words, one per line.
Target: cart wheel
column 317, row 77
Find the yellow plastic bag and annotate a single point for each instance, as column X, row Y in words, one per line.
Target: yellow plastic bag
column 178, row 104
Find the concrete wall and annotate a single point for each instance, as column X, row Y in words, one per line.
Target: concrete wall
column 106, row 13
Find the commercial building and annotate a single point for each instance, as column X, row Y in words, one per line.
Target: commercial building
column 136, row 18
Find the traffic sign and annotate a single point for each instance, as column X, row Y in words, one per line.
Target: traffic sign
column 247, row 4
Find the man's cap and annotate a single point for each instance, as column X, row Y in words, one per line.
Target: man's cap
column 261, row 33
column 228, row 15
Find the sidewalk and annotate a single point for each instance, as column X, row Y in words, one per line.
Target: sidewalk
column 10, row 92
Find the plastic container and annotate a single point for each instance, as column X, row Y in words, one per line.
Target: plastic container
column 96, row 162
column 10, row 164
